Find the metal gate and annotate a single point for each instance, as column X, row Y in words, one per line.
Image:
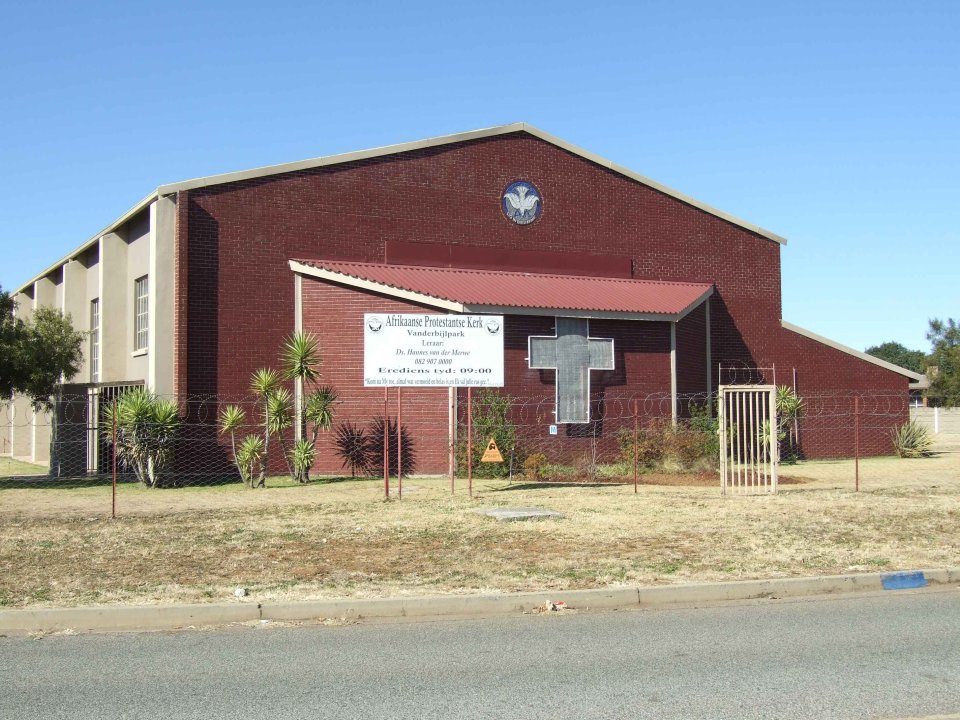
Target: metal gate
column 80, row 447
column 749, row 445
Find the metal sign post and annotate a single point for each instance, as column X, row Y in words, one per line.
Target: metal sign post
column 399, row 450
column 431, row 350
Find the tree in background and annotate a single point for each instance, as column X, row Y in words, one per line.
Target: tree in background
column 894, row 352
column 945, row 356
column 38, row 353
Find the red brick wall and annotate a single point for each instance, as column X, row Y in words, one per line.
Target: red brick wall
column 335, row 314
column 692, row 355
column 236, row 293
column 829, row 379
column 248, row 230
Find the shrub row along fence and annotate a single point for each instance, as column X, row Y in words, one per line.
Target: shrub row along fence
column 134, row 438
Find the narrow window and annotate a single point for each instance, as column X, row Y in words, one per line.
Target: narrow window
column 95, row 340
column 141, row 317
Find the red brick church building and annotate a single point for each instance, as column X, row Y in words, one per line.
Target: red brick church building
column 238, row 261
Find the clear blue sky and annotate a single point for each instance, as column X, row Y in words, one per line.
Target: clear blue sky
column 834, row 124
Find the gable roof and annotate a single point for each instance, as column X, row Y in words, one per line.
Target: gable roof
column 458, row 138
column 506, row 292
column 913, row 375
column 387, row 150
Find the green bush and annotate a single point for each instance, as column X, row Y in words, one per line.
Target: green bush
column 691, row 445
column 912, row 440
column 533, row 466
column 147, row 427
column 490, row 420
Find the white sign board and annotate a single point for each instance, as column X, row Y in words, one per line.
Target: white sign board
column 432, row 350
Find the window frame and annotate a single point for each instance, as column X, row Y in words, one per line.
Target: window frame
column 95, row 340
column 141, row 313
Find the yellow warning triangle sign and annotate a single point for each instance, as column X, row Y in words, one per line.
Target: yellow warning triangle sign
column 492, row 453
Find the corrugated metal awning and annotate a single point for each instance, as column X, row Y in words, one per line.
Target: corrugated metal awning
column 491, row 291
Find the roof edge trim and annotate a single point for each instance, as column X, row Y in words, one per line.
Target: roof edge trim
column 708, row 293
column 569, row 312
column 352, row 156
column 372, row 286
column 74, row 254
column 915, row 376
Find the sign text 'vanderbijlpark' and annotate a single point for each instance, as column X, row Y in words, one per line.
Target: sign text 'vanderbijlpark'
column 432, row 350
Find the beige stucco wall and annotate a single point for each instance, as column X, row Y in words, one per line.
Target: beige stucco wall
column 45, row 294
column 6, row 448
column 21, row 428
column 163, row 214
column 75, row 305
column 112, row 276
column 138, row 265
column 106, row 270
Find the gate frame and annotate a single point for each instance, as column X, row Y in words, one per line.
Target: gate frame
column 756, row 415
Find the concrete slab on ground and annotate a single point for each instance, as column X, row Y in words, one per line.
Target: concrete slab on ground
column 519, row 513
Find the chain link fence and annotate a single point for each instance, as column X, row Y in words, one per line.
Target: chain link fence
column 99, row 438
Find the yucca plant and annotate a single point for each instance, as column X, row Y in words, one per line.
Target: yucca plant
column 408, row 456
column 250, row 456
column 300, row 358
column 263, row 384
column 318, row 412
column 912, row 440
column 278, row 410
column 319, row 409
column 232, row 418
column 302, row 456
column 146, row 431
column 790, row 408
column 353, row 447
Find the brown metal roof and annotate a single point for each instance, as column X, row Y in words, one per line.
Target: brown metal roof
column 469, row 290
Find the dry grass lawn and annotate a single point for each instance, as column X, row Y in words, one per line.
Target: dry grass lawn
column 59, row 547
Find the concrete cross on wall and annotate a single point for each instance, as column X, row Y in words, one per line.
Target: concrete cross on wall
column 573, row 354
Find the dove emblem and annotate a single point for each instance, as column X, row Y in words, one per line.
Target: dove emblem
column 521, row 202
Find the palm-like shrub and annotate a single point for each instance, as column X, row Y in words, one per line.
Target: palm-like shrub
column 147, row 427
column 249, row 458
column 353, row 447
column 912, row 440
column 790, row 408
column 302, row 456
column 300, row 358
column 263, row 384
column 319, row 409
column 232, row 418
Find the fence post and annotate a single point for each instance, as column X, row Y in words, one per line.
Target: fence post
column 113, row 491
column 856, row 442
column 454, row 419
column 386, row 447
column 470, row 441
column 636, row 449
column 399, row 450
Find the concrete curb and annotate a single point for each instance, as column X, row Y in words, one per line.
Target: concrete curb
column 125, row 617
column 171, row 617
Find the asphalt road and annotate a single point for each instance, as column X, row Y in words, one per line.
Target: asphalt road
column 895, row 655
